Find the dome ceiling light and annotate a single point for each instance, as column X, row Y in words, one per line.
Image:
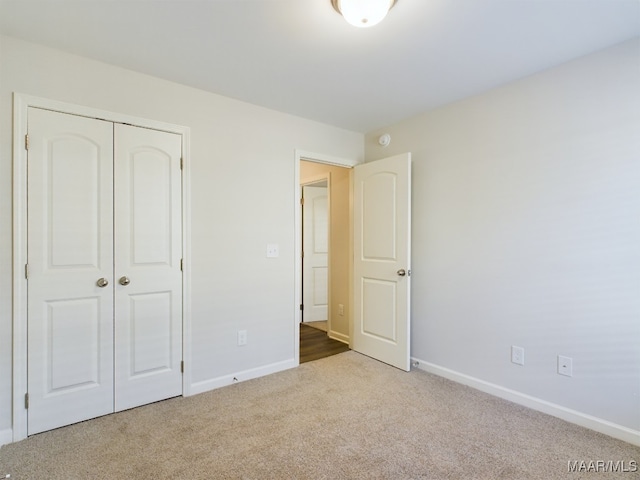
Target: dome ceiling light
column 363, row 13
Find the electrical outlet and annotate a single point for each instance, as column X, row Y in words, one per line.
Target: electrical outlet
column 242, row 337
column 517, row 355
column 565, row 366
column 340, row 309
column 273, row 250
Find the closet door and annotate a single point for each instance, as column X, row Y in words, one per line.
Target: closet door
column 70, row 269
column 148, row 275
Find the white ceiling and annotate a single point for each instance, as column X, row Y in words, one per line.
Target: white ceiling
column 301, row 57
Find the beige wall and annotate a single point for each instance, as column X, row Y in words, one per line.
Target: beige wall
column 242, row 167
column 340, row 241
column 526, row 231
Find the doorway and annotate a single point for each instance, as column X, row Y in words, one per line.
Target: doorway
column 378, row 260
column 325, row 246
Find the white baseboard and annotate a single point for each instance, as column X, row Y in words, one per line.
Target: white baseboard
column 567, row 414
column 207, row 385
column 6, row 436
column 341, row 337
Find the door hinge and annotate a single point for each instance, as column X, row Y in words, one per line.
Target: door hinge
column 301, row 306
column 26, row 401
column 26, row 271
column 182, row 366
column 26, row 142
column 302, row 254
column 181, row 163
column 182, row 264
column 302, row 201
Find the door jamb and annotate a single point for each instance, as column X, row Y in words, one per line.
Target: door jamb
column 21, row 103
column 328, row 160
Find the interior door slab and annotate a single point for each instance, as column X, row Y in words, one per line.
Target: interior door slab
column 382, row 260
column 316, row 253
column 70, row 299
column 148, row 274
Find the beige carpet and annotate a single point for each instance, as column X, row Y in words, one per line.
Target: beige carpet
column 343, row 417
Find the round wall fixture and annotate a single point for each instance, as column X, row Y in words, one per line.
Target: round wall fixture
column 384, row 140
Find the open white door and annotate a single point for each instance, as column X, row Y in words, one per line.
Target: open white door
column 382, row 259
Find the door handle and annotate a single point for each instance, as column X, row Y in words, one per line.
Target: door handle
column 102, row 282
column 402, row 272
column 124, row 281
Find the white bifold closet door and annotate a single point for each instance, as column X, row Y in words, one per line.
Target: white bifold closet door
column 104, row 277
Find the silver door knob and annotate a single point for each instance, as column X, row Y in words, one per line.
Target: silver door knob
column 102, row 282
column 124, row 281
column 402, row 272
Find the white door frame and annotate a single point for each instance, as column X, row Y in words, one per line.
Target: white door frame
column 297, row 215
column 21, row 103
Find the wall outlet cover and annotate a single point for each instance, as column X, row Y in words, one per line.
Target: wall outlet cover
column 242, row 337
column 273, row 251
column 517, row 355
column 565, row 366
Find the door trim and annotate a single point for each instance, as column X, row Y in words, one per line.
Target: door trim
column 297, row 216
column 21, row 103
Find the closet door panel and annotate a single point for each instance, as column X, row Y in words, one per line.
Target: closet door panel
column 70, row 255
column 148, row 250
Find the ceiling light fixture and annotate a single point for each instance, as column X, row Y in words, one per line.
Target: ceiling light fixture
column 363, row 13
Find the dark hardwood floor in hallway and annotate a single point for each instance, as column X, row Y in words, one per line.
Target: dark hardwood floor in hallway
column 316, row 344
